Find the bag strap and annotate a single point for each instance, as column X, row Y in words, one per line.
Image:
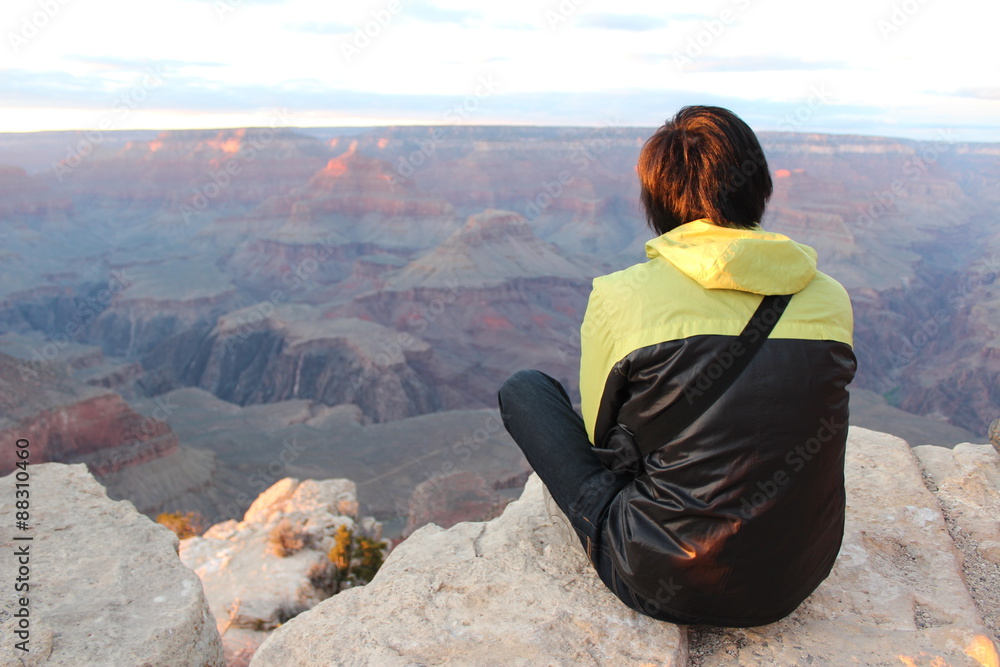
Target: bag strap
column 682, row 413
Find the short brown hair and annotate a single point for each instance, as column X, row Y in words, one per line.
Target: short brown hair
column 703, row 163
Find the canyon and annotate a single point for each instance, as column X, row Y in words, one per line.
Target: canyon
column 249, row 304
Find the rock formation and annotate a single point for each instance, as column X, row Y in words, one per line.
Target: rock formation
column 152, row 237
column 250, row 587
column 268, row 353
column 136, row 456
column 106, row 585
column 966, row 481
column 515, row 590
column 493, row 247
column 518, row 590
column 68, row 421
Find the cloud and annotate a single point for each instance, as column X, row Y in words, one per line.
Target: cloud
column 238, row 3
column 979, row 93
column 313, row 28
column 750, row 63
column 430, row 13
column 195, row 96
column 123, row 64
column 627, row 22
column 23, row 88
column 422, row 12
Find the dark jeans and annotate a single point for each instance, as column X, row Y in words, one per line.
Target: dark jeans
column 539, row 416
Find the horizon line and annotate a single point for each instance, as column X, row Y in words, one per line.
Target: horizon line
column 364, row 128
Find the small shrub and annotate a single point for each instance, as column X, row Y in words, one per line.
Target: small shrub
column 370, row 558
column 286, row 540
column 343, row 549
column 355, row 559
column 184, row 525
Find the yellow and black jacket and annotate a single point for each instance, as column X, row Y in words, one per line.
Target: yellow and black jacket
column 737, row 519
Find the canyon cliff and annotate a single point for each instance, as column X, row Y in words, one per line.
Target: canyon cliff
column 479, row 242
column 330, row 278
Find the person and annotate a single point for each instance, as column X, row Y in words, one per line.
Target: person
column 737, row 517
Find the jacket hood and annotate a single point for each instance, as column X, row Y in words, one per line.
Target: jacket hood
column 749, row 260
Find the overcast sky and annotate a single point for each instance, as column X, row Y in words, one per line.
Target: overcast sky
column 904, row 68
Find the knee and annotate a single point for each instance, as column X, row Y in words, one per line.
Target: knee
column 517, row 385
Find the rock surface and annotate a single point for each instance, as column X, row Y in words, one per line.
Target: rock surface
column 251, row 589
column 966, row 481
column 106, row 585
column 895, row 594
column 518, row 590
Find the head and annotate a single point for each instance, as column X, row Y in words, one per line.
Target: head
column 703, row 163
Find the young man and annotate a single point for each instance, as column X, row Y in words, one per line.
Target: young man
column 706, row 477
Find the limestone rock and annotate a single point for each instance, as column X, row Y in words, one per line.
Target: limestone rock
column 966, row 480
column 895, row 594
column 995, row 434
column 106, row 585
column 517, row 590
column 250, row 588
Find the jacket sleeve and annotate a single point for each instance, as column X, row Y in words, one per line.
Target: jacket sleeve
column 597, row 354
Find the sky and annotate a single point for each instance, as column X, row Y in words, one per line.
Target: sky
column 919, row 69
